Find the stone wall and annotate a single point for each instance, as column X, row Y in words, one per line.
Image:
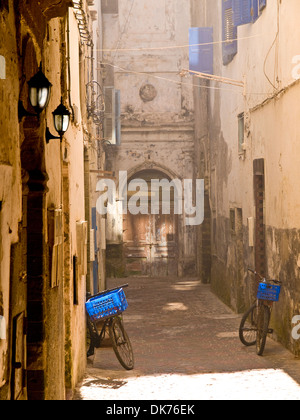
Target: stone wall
column 42, row 194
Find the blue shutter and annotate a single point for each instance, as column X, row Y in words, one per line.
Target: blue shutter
column 229, row 46
column 201, row 56
column 255, row 11
column 118, row 117
column 95, row 262
column 242, row 12
column 262, row 4
column 245, row 11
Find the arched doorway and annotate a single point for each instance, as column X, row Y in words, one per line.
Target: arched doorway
column 150, row 241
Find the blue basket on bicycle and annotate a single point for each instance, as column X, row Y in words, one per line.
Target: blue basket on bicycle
column 107, row 305
column 268, row 292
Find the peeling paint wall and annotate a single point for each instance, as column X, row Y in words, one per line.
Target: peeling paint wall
column 271, row 110
column 10, row 188
column 36, row 179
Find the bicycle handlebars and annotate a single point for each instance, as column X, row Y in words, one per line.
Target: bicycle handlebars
column 106, row 291
column 256, row 273
column 263, row 278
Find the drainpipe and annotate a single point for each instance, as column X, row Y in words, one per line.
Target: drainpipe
column 69, row 67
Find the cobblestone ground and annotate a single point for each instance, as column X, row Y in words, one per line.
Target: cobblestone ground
column 186, row 347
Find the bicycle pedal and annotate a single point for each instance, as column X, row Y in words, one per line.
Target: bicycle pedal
column 270, row 331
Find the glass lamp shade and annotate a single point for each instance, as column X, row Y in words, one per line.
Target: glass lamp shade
column 39, row 91
column 61, row 119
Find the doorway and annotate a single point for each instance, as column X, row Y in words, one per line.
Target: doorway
column 150, row 241
column 259, row 199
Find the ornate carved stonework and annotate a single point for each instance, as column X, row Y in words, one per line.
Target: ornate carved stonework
column 148, row 93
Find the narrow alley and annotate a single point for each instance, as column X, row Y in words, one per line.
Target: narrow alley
column 186, row 347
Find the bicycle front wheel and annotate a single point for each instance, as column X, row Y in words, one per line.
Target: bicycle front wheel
column 248, row 327
column 121, row 343
column 262, row 329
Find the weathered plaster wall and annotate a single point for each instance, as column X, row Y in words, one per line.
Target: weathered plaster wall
column 264, row 60
column 10, row 172
column 54, row 174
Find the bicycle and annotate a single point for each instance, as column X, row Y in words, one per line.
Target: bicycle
column 104, row 315
column 254, row 326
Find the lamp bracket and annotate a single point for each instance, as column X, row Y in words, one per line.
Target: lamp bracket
column 22, row 113
column 50, row 136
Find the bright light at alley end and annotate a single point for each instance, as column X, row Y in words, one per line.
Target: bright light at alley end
column 61, row 119
column 39, row 91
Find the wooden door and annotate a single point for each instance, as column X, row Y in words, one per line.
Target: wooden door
column 150, row 244
column 138, row 243
column 259, row 197
column 151, row 240
column 164, row 262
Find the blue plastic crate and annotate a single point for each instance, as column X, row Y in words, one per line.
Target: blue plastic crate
column 268, row 292
column 107, row 305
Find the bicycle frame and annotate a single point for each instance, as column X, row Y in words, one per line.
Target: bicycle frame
column 113, row 324
column 96, row 337
column 268, row 304
column 260, row 314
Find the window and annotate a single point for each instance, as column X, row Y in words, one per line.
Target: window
column 112, row 120
column 236, row 221
column 201, row 56
column 2, row 328
column 229, row 32
column 232, row 220
column 236, row 13
column 239, row 221
column 241, row 125
column 2, row 67
column 247, row 11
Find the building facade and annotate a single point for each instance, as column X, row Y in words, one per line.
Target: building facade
column 46, row 264
column 248, row 147
column 145, row 47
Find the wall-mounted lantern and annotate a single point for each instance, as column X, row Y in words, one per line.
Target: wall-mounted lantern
column 61, row 120
column 39, row 95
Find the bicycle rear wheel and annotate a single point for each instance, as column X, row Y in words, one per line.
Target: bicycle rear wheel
column 92, row 339
column 262, row 329
column 121, row 343
column 248, row 327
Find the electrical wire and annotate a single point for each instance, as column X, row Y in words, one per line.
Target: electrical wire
column 276, row 37
column 123, row 31
column 145, row 49
column 180, row 83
